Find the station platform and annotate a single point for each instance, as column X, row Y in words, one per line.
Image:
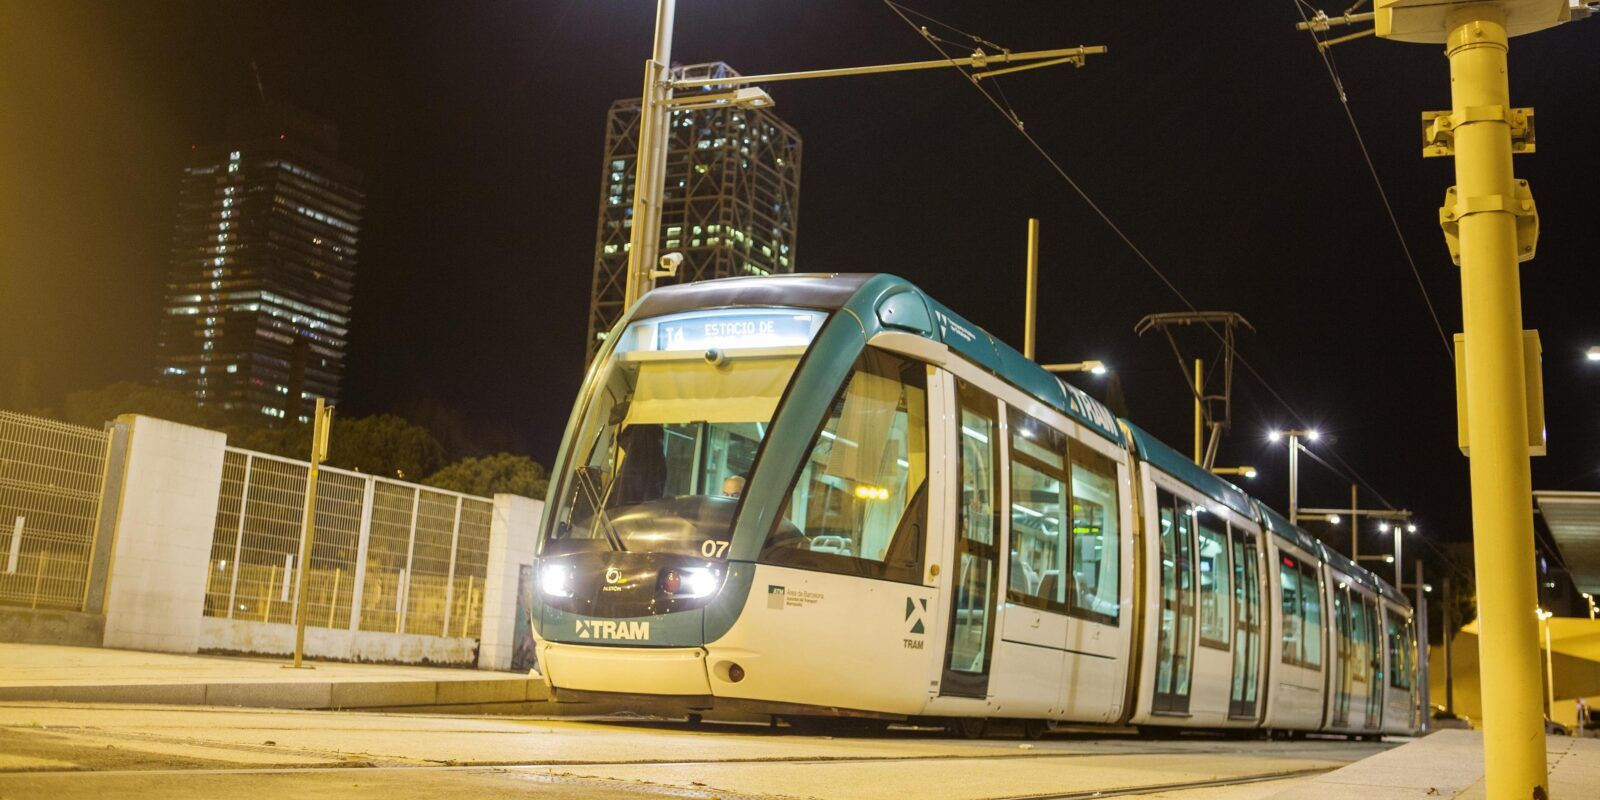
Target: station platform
column 98, row 675
column 1449, row 764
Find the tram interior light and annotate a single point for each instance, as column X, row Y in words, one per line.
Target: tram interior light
column 556, row 580
column 868, row 492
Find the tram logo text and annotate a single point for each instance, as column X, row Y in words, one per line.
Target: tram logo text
column 612, row 629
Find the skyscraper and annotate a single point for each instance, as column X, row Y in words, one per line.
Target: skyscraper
column 732, row 196
column 263, row 258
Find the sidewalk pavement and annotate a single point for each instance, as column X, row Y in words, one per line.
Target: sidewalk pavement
column 1449, row 763
column 88, row 674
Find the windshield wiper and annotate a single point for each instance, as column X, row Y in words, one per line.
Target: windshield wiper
column 596, row 501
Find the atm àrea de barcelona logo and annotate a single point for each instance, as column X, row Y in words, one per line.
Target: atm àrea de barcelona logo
column 775, row 597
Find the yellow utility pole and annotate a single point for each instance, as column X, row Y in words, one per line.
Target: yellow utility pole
column 320, row 422
column 1031, row 314
column 1490, row 225
column 1199, row 414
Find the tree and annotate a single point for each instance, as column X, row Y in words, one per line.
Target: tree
column 95, row 407
column 382, row 444
column 489, row 475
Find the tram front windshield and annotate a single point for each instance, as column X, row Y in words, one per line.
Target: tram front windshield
column 671, row 428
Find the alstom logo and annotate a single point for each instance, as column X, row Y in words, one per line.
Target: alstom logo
column 612, row 629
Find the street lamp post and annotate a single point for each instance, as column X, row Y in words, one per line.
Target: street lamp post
column 1094, row 367
column 1294, row 465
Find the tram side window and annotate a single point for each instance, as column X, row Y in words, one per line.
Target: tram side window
column 1289, row 583
column 1096, row 536
column 1038, row 511
column 1399, row 653
column 1214, row 575
column 859, row 504
column 1311, row 605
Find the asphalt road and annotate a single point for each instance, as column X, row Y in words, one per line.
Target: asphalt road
column 87, row 751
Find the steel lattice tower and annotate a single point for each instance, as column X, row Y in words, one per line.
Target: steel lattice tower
column 731, row 203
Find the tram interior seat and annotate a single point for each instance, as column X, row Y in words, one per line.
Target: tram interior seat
column 830, row 543
column 1024, row 578
column 1047, row 583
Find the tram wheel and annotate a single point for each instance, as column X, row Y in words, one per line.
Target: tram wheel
column 1037, row 728
column 970, row 727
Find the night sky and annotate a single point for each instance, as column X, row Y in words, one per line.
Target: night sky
column 1211, row 133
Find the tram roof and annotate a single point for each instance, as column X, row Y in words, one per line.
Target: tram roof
column 884, row 302
column 1280, row 527
column 1170, row 461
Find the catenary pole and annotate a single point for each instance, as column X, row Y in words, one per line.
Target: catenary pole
column 1497, row 410
column 1031, row 313
column 656, row 106
column 322, row 418
column 649, row 179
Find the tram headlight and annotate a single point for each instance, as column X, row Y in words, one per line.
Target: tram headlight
column 556, row 580
column 700, row 582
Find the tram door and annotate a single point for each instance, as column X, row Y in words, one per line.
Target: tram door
column 1175, row 630
column 969, row 648
column 1246, row 626
column 1345, row 657
column 1375, row 680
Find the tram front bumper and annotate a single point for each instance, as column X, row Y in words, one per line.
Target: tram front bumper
column 625, row 670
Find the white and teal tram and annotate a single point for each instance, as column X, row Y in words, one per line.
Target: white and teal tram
column 829, row 495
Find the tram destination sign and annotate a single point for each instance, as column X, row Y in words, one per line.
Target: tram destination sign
column 765, row 328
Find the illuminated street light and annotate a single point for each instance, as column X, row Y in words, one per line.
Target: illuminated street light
column 1333, row 519
column 1294, row 466
column 1411, row 527
column 1094, row 367
column 1248, row 472
column 1594, row 353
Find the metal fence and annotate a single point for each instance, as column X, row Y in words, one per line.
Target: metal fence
column 52, row 480
column 386, row 556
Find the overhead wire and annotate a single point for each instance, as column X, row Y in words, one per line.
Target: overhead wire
column 1383, row 194
column 901, row 12
column 1345, row 469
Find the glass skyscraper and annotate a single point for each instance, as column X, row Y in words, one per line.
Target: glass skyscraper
column 263, row 258
column 731, row 203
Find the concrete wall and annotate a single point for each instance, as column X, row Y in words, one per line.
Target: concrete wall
column 513, row 536
column 237, row 636
column 167, row 510
column 51, row 626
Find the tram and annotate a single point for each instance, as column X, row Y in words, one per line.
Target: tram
column 813, row 496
